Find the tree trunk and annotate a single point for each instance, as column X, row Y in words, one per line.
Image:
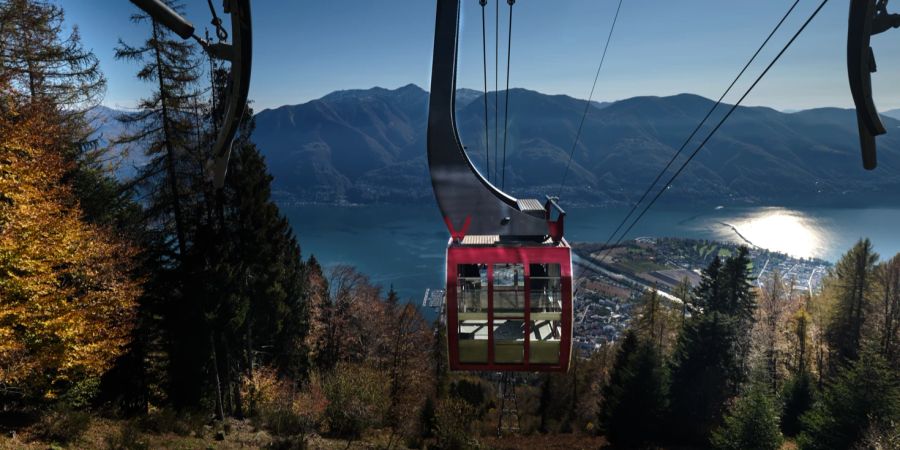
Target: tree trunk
column 220, row 413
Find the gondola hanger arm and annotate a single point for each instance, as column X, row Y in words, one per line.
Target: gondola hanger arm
column 239, row 52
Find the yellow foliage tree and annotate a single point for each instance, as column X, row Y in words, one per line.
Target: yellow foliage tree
column 67, row 290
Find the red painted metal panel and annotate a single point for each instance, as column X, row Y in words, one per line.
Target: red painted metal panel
column 520, row 254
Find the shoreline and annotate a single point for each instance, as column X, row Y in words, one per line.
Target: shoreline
column 738, row 233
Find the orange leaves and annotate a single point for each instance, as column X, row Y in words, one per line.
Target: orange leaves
column 67, row 294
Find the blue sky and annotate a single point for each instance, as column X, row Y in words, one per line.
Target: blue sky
column 304, row 49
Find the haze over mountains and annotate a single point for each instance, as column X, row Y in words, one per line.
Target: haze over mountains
column 365, row 146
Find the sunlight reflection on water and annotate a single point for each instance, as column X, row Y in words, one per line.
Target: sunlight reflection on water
column 782, row 230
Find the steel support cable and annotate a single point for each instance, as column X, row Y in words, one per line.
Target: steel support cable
column 496, row 84
column 702, row 122
column 506, row 108
column 487, row 150
column 722, row 121
column 587, row 105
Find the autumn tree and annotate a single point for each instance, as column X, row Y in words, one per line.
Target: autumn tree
column 47, row 64
column 775, row 299
column 407, row 347
column 67, row 295
column 656, row 321
column 798, row 393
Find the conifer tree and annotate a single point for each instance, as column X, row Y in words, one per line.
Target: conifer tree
column 708, row 361
column 798, row 397
column 707, row 293
column 267, row 262
column 751, row 424
column 164, row 126
column 863, row 393
column 851, row 285
column 43, row 63
column 634, row 402
column 705, row 374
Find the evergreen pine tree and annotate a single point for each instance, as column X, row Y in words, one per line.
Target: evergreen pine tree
column 634, row 402
column 851, row 284
column 708, row 291
column 738, row 295
column 705, row 373
column 708, row 361
column 751, row 424
column 865, row 392
column 798, row 396
column 44, row 63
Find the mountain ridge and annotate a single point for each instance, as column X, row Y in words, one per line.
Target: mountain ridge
column 368, row 146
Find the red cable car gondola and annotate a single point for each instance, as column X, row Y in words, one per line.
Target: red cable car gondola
column 509, row 270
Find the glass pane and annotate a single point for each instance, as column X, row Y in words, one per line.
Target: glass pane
column 471, row 288
column 509, row 303
column 509, row 275
column 472, row 305
column 544, row 344
column 509, row 294
column 509, row 341
column 473, row 341
column 546, row 288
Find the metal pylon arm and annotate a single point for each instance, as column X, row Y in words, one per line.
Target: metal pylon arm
column 468, row 202
column 239, row 53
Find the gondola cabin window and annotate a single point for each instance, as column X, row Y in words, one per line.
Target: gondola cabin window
column 545, row 294
column 472, row 315
column 509, row 313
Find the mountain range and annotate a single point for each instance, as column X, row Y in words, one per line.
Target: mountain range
column 366, row 146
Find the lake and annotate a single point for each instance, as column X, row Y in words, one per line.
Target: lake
column 403, row 246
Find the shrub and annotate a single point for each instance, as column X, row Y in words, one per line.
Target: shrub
column 62, row 426
column 81, row 393
column 453, row 425
column 278, row 406
column 168, row 421
column 357, row 399
column 128, row 438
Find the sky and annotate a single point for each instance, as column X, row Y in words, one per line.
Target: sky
column 304, row 49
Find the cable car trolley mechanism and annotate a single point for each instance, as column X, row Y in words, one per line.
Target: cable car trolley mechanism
column 509, row 270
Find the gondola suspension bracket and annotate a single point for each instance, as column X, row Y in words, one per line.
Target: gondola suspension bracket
column 866, row 18
column 239, row 53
